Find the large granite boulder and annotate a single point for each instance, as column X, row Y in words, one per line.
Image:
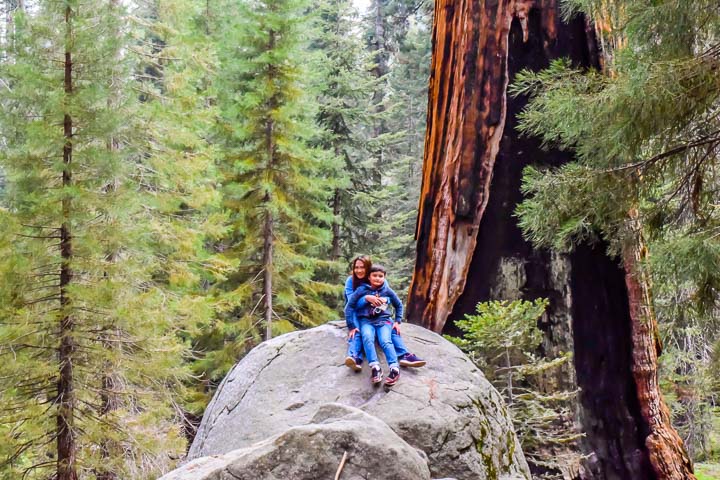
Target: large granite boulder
column 315, row 451
column 447, row 409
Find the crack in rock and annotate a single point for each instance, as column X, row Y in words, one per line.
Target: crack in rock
column 227, row 409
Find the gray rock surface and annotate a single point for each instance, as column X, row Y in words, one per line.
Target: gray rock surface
column 314, row 451
column 446, row 409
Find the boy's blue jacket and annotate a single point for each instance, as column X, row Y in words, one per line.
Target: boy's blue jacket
column 362, row 303
column 352, row 316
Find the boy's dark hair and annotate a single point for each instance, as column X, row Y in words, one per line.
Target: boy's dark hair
column 378, row 268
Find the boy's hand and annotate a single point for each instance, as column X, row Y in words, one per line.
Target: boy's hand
column 373, row 300
column 351, row 333
column 396, row 327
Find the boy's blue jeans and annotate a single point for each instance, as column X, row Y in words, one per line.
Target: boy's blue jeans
column 383, row 331
column 355, row 345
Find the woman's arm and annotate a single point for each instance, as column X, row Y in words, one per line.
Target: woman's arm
column 352, row 304
column 397, row 305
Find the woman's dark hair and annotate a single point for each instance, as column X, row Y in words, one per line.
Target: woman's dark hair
column 368, row 265
column 377, row 268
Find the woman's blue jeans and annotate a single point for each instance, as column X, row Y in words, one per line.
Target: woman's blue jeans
column 383, row 332
column 355, row 345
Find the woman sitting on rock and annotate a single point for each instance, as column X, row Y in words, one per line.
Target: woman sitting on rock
column 360, row 267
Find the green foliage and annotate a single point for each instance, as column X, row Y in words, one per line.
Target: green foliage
column 504, row 341
column 193, row 123
column 343, row 82
column 126, row 359
column 270, row 175
column 707, row 471
column 398, row 147
column 501, row 328
column 178, row 172
column 645, row 134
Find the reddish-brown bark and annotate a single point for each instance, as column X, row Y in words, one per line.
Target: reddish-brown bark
column 466, row 118
column 666, row 451
column 465, row 121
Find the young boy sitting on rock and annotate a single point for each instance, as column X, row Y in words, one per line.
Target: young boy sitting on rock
column 377, row 322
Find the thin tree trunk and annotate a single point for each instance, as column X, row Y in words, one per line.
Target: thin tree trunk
column 268, row 220
column 665, row 448
column 66, row 436
column 508, row 365
column 109, row 402
column 335, row 250
column 267, row 268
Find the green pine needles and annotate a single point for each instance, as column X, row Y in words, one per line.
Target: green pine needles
column 646, row 135
column 503, row 339
column 274, row 195
column 179, row 181
column 90, row 358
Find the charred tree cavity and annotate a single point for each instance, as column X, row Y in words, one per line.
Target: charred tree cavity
column 465, row 121
column 470, row 249
column 588, row 310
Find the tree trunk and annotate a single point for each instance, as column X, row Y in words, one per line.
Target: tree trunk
column 267, row 269
column 267, row 259
column 665, row 448
column 335, row 249
column 66, row 436
column 466, row 117
column 470, row 248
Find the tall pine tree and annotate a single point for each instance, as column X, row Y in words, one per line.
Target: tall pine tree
column 273, row 192
column 178, row 169
column 344, row 85
column 79, row 292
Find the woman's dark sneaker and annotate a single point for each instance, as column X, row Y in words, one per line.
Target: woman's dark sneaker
column 353, row 363
column 376, row 375
column 393, row 377
column 411, row 360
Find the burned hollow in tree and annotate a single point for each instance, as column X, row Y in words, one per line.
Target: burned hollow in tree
column 470, row 248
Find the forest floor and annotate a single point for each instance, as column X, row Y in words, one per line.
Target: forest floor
column 707, row 471
column 710, row 469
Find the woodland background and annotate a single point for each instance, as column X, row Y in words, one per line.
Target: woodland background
column 184, row 179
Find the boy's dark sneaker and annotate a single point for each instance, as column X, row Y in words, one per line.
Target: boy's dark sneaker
column 376, row 375
column 393, row 377
column 353, row 363
column 411, row 360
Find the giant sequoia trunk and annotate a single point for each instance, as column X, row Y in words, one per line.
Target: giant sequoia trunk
column 470, row 248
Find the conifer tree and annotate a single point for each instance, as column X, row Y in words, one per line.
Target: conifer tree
column 645, row 133
column 178, row 172
column 407, row 81
column 273, row 191
column 344, row 92
column 81, row 303
column 503, row 339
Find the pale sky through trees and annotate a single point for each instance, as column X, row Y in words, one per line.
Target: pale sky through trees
column 361, row 5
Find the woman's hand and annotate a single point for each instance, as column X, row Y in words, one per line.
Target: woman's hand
column 351, row 333
column 374, row 301
column 396, row 327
